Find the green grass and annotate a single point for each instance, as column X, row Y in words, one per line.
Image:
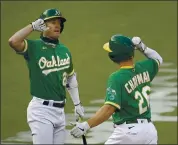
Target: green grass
column 89, row 25
column 167, row 133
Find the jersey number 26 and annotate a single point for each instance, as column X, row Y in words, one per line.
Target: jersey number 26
column 142, row 97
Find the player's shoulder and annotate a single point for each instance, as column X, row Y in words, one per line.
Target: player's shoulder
column 115, row 76
column 147, row 62
column 33, row 41
column 64, row 47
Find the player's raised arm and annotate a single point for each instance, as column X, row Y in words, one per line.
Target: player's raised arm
column 148, row 52
column 16, row 41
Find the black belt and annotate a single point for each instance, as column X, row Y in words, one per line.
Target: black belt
column 59, row 105
column 134, row 121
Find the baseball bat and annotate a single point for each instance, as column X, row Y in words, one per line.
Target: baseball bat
column 84, row 140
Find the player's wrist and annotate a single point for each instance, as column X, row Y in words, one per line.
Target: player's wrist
column 86, row 125
column 143, row 47
column 32, row 27
column 77, row 104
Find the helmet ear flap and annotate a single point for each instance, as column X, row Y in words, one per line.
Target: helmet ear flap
column 117, row 58
column 113, row 57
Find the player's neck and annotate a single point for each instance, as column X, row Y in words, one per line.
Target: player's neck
column 49, row 40
column 125, row 64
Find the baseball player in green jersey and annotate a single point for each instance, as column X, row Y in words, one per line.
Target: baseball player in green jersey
column 127, row 94
column 51, row 72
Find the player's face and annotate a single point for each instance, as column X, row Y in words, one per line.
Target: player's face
column 54, row 28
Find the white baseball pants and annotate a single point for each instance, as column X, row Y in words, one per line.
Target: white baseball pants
column 136, row 133
column 47, row 123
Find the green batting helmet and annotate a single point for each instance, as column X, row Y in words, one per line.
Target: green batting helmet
column 53, row 13
column 120, row 48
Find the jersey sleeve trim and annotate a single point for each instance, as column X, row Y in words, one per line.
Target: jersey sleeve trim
column 72, row 72
column 157, row 61
column 113, row 104
column 25, row 49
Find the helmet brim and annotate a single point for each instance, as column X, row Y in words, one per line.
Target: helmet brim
column 62, row 18
column 106, row 47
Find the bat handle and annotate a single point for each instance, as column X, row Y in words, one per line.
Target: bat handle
column 84, row 140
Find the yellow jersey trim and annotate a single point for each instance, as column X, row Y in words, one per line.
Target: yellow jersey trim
column 106, row 47
column 70, row 74
column 26, row 46
column 25, row 49
column 127, row 66
column 114, row 104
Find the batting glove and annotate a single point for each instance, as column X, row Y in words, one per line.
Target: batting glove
column 139, row 44
column 39, row 25
column 79, row 111
column 80, row 129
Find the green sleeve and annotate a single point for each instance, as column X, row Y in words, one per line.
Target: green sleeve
column 28, row 50
column 71, row 69
column 113, row 93
column 151, row 65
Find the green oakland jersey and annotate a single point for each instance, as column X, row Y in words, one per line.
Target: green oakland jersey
column 128, row 89
column 49, row 66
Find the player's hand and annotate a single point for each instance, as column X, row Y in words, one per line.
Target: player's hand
column 79, row 111
column 139, row 44
column 80, row 129
column 39, row 25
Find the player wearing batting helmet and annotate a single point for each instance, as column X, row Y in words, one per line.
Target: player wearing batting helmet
column 127, row 94
column 51, row 70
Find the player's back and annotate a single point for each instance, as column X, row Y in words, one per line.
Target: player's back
column 133, row 89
